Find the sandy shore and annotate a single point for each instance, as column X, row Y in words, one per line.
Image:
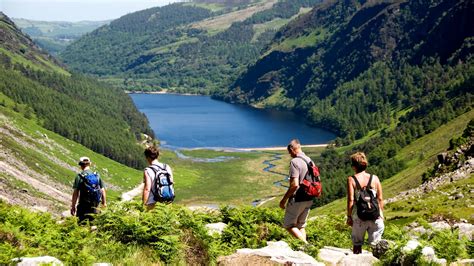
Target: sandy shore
column 283, row 148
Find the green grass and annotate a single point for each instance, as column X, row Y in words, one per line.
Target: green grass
column 214, row 7
column 437, row 203
column 172, row 47
column 419, row 157
column 275, row 24
column 276, row 100
column 55, row 156
column 240, row 180
column 44, row 65
column 306, row 40
column 270, row 25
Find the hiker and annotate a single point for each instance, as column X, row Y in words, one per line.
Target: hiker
column 158, row 180
column 89, row 189
column 364, row 204
column 296, row 206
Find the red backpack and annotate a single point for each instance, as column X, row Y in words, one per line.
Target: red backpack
column 310, row 186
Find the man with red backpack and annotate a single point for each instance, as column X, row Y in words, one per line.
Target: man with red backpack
column 89, row 189
column 304, row 187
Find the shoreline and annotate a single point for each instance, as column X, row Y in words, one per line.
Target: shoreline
column 281, row 148
column 162, row 92
column 230, row 149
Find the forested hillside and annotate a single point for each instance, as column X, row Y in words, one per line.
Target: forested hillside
column 380, row 74
column 77, row 107
column 197, row 47
column 54, row 36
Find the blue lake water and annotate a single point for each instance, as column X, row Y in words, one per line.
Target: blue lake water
column 181, row 121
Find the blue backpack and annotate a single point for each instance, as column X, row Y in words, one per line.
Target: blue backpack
column 162, row 187
column 91, row 191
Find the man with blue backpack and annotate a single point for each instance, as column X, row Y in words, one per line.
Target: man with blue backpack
column 90, row 190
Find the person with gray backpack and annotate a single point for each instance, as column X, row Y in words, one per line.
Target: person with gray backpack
column 364, row 204
column 90, row 190
column 158, row 180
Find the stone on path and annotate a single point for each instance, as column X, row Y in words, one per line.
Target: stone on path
column 275, row 253
column 33, row 261
column 340, row 256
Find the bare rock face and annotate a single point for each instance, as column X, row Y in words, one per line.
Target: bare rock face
column 276, row 253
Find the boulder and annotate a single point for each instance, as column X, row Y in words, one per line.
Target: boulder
column 465, row 229
column 438, row 226
column 340, row 256
column 358, row 260
column 275, row 253
column 410, row 246
column 381, row 247
column 458, row 196
column 465, row 262
column 33, row 261
column 216, row 228
column 245, row 260
column 428, row 252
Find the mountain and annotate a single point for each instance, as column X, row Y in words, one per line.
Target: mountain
column 194, row 46
column 380, row 74
column 54, row 36
column 354, row 66
column 38, row 166
column 74, row 106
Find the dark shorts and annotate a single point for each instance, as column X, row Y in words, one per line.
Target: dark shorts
column 86, row 212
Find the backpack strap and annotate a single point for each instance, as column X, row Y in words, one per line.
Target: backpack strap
column 357, row 183
column 308, row 165
column 162, row 169
column 370, row 181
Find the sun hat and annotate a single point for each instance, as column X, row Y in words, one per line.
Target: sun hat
column 84, row 160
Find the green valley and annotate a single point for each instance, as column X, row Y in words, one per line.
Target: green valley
column 56, row 35
column 393, row 79
column 197, row 47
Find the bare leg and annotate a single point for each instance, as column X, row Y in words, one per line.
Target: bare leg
column 303, row 232
column 297, row 233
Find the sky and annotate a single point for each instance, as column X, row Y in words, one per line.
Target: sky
column 75, row 10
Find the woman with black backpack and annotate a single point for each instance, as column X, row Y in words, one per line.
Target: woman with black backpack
column 364, row 204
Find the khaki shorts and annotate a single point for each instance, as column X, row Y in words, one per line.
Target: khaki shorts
column 296, row 213
column 373, row 228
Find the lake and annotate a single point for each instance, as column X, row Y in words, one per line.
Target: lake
column 182, row 121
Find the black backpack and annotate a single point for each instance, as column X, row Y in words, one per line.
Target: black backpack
column 367, row 204
column 90, row 191
column 162, row 187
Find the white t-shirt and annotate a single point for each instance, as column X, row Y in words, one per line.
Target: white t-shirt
column 151, row 174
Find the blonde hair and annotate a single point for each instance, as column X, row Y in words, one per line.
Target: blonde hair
column 359, row 161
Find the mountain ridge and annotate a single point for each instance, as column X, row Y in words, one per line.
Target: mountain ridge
column 182, row 57
column 68, row 99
